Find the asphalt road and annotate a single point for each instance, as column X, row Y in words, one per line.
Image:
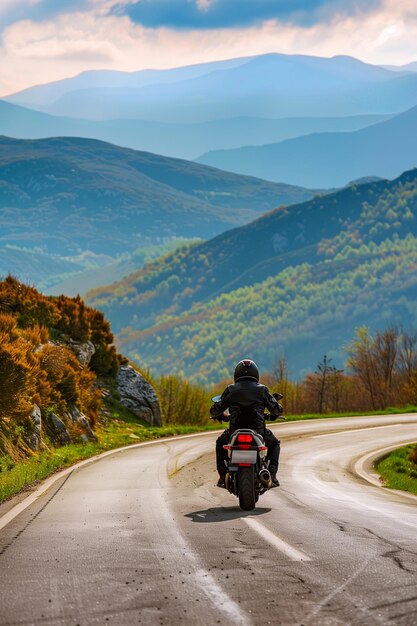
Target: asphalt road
column 144, row 537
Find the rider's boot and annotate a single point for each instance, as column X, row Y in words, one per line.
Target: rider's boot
column 275, row 481
column 221, row 482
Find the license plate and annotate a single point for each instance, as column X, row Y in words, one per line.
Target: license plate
column 244, row 456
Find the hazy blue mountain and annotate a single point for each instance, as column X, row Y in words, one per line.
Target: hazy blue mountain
column 408, row 67
column 411, row 67
column 329, row 159
column 177, row 140
column 66, row 195
column 272, row 85
column 33, row 265
column 96, row 79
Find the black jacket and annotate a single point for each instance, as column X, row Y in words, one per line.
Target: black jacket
column 246, row 400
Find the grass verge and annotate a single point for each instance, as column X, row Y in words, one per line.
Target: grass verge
column 398, row 470
column 121, row 429
column 391, row 410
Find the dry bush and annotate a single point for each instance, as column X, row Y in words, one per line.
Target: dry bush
column 27, row 305
column 33, row 370
column 105, row 360
column 181, row 401
column 69, row 383
column 19, row 370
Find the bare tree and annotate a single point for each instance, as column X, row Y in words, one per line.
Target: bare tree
column 407, row 354
column 317, row 384
column 373, row 361
column 385, row 350
column 281, row 374
column 360, row 362
column 335, row 388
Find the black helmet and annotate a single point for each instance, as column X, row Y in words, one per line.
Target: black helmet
column 246, row 369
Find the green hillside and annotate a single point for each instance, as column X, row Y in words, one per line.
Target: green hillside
column 70, row 205
column 298, row 280
column 68, row 194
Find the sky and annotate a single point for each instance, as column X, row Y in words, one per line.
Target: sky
column 46, row 40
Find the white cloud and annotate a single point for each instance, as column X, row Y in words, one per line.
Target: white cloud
column 204, row 5
column 7, row 5
column 36, row 52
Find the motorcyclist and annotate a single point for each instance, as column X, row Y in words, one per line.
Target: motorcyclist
column 246, row 400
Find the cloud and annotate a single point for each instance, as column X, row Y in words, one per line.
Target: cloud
column 12, row 11
column 213, row 14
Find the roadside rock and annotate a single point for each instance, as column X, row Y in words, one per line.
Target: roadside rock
column 35, row 439
column 60, row 430
column 138, row 395
column 82, row 350
column 76, row 416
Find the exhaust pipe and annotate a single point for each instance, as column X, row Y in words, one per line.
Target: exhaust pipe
column 265, row 478
column 227, row 481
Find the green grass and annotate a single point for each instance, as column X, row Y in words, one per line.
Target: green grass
column 121, row 430
column 398, row 471
column 391, row 410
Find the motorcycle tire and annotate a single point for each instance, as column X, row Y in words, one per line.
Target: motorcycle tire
column 246, row 487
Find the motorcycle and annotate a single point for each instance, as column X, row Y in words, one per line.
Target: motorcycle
column 247, row 475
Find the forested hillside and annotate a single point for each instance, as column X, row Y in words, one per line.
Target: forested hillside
column 297, row 281
column 69, row 204
column 93, row 195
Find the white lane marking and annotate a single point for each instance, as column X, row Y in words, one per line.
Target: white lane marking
column 163, row 518
column 274, row 540
column 356, row 430
column 16, row 510
column 219, row 598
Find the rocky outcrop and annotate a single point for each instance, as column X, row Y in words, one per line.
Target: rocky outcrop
column 82, row 350
column 36, row 436
column 60, row 430
column 77, row 417
column 138, row 395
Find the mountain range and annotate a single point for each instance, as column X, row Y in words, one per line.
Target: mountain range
column 296, row 282
column 187, row 141
column 329, row 159
column 303, row 120
column 271, row 86
column 66, row 196
column 92, row 212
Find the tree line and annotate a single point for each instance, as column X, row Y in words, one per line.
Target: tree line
column 380, row 372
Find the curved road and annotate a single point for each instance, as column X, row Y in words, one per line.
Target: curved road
column 144, row 537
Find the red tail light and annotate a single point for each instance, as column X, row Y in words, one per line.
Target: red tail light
column 244, row 438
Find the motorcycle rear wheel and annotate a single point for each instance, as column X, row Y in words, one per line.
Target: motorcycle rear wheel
column 246, row 488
